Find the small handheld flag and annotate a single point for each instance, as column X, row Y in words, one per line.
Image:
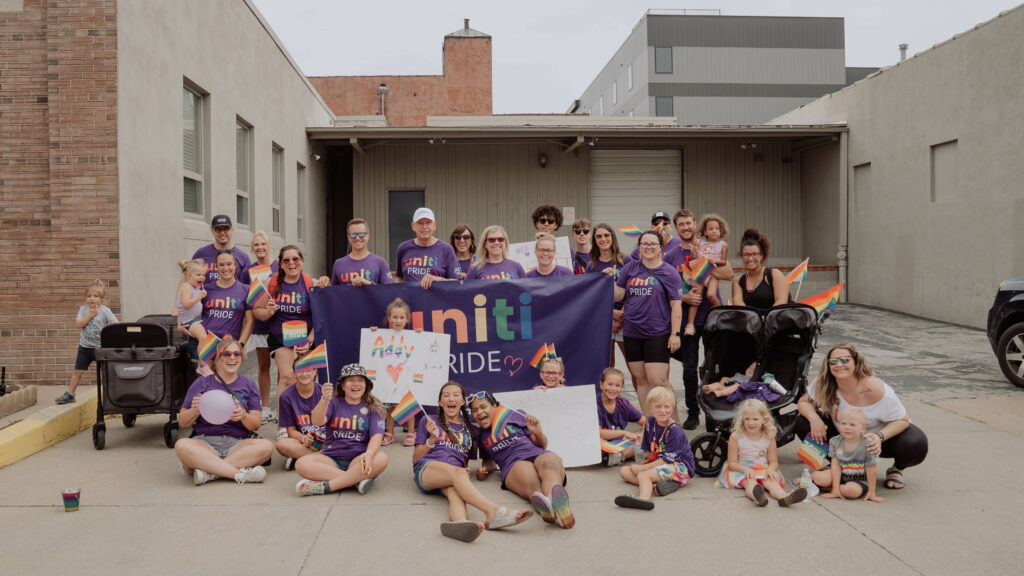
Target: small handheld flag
column 631, row 231
column 499, row 420
column 260, row 273
column 615, row 446
column 208, row 349
column 315, row 360
column 406, row 409
column 826, row 300
column 256, row 289
column 541, row 354
column 551, row 351
column 700, row 271
column 293, row 332
column 798, row 274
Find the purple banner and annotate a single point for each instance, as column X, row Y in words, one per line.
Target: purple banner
column 497, row 326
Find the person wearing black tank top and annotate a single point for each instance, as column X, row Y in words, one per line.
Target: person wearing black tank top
column 759, row 287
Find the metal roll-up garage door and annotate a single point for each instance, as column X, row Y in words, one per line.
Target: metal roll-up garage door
column 627, row 186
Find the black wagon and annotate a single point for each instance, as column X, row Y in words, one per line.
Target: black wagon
column 141, row 368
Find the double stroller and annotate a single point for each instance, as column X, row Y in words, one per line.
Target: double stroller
column 781, row 343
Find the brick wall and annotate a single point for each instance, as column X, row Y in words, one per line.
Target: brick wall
column 463, row 90
column 58, row 178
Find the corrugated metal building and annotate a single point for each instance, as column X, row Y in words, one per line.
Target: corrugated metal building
column 707, row 69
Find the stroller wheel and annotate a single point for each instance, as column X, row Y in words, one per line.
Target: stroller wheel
column 128, row 420
column 709, row 453
column 170, row 434
column 99, row 437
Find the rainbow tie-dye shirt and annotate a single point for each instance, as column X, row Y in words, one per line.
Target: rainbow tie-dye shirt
column 853, row 462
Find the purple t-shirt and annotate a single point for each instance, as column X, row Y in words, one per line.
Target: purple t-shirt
column 624, row 413
column 504, row 270
column 208, row 254
column 648, row 313
column 464, row 266
column 558, row 271
column 373, row 268
column 579, row 262
column 244, row 389
column 349, row 428
column 415, row 262
column 513, row 446
column 450, row 448
column 679, row 258
column 294, row 411
column 224, row 309
column 292, row 304
column 672, row 244
column 599, row 267
column 668, row 444
column 263, row 326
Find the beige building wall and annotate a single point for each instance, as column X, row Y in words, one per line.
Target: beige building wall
column 935, row 226
column 227, row 50
column 477, row 184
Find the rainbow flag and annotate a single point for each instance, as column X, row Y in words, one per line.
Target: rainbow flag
column 541, row 354
column 371, row 374
column 631, row 231
column 316, row 359
column 260, row 273
column 551, row 351
column 499, row 419
column 208, row 348
column 826, row 300
column 700, row 271
column 798, row 274
column 293, row 332
column 614, row 446
column 406, row 409
column 256, row 289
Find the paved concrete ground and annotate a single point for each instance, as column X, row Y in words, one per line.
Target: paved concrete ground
column 961, row 512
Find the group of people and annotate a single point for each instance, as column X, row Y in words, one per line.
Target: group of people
column 327, row 429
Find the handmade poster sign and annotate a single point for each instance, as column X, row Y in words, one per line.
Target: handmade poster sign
column 523, row 253
column 399, row 362
column 568, row 417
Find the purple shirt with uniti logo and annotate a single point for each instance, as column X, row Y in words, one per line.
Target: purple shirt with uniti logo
column 292, row 304
column 513, row 446
column 243, row 389
column 224, row 309
column 263, row 326
column 450, row 448
column 208, row 254
column 504, row 270
column 415, row 261
column 647, row 310
column 349, row 428
column 624, row 413
column 372, row 267
column 294, row 411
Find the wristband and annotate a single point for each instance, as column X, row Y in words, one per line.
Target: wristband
column 881, row 437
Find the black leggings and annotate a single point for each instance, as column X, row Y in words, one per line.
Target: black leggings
column 908, row 448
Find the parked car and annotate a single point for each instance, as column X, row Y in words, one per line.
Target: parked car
column 1006, row 329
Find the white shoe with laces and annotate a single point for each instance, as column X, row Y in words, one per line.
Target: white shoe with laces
column 254, row 474
column 200, row 477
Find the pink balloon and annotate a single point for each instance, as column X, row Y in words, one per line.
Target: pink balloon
column 216, row 406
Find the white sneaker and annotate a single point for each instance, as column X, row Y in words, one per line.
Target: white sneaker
column 289, row 464
column 254, row 474
column 265, row 414
column 200, row 477
column 364, row 485
column 614, row 459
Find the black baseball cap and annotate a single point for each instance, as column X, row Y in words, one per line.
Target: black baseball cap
column 660, row 216
column 221, row 221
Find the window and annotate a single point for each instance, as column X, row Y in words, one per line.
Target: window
column 300, row 201
column 193, row 150
column 945, row 172
column 663, row 60
column 243, row 172
column 615, row 93
column 277, row 167
column 629, row 77
column 600, row 106
column 663, row 106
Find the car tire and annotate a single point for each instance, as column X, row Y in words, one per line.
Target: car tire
column 1010, row 353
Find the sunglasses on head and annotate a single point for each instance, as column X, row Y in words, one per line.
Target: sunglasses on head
column 495, row 240
column 842, row 359
column 581, row 231
column 462, row 236
column 355, row 235
column 479, row 395
column 225, row 251
column 546, row 221
column 231, row 354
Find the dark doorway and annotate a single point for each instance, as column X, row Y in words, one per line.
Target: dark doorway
column 339, row 201
column 402, row 204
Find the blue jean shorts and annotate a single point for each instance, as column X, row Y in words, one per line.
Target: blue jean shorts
column 222, row 445
column 417, row 475
column 341, row 463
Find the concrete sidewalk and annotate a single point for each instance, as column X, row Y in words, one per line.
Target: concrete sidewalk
column 960, row 512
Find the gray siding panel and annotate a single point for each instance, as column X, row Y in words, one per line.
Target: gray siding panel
column 746, row 31
column 755, row 66
column 693, row 89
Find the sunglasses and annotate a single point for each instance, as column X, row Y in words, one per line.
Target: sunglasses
column 546, row 221
column 842, row 359
column 355, row 235
column 287, row 260
column 225, row 251
column 479, row 395
column 601, row 236
column 230, row 354
column 581, row 231
column 462, row 236
column 496, row 240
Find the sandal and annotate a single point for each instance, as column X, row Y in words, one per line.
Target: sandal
column 633, row 502
column 462, row 530
column 389, row 438
column 410, row 440
column 542, row 505
column 894, row 479
column 505, row 518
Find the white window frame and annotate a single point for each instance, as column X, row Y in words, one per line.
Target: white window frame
column 243, row 173
column 615, row 93
column 197, row 176
column 300, row 201
column 671, row 64
column 600, row 106
column 277, row 190
column 629, row 78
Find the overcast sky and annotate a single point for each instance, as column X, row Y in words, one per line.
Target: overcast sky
column 547, row 52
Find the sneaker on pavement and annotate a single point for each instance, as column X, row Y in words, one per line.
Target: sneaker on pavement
column 289, row 464
column 691, row 422
column 254, row 474
column 200, row 477
column 364, row 485
column 65, row 398
column 310, row 487
column 614, row 459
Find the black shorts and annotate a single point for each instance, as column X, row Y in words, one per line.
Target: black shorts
column 863, row 484
column 649, row 350
column 531, row 459
column 85, row 357
column 273, row 343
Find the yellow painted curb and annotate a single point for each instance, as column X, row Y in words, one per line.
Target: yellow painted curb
column 46, row 428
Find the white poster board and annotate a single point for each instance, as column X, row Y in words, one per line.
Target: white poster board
column 522, row 253
column 568, row 417
column 406, row 360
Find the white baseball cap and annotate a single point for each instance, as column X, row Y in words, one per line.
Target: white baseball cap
column 422, row 213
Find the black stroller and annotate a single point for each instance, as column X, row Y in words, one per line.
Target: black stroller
column 781, row 343
column 141, row 368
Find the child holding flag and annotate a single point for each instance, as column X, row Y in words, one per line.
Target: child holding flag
column 295, row 409
column 614, row 413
